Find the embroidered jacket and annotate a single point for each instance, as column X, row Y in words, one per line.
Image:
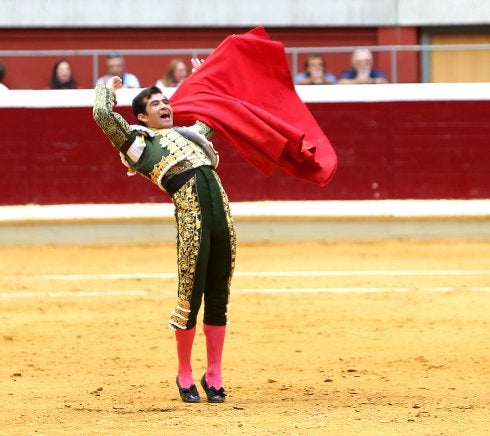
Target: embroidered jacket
column 157, row 154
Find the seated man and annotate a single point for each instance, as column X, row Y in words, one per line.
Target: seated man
column 362, row 70
column 115, row 65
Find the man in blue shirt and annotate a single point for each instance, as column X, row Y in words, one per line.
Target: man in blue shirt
column 362, row 70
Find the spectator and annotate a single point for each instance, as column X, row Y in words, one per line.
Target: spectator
column 2, row 75
column 62, row 76
column 115, row 66
column 314, row 72
column 362, row 70
column 176, row 72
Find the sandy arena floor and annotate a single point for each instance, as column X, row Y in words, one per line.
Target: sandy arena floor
column 341, row 339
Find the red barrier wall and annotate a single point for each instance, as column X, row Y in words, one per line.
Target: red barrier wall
column 386, row 150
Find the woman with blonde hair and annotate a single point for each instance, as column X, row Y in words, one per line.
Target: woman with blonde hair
column 176, row 72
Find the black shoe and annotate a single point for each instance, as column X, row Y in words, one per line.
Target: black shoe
column 188, row 395
column 214, row 395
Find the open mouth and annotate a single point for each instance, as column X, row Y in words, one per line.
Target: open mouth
column 165, row 116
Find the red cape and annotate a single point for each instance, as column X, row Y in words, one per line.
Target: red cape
column 244, row 91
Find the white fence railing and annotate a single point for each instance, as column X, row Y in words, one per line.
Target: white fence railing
column 293, row 52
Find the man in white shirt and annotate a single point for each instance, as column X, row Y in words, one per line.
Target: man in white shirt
column 115, row 66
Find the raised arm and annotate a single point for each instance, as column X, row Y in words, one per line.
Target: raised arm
column 114, row 125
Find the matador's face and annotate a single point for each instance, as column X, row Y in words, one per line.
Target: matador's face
column 159, row 114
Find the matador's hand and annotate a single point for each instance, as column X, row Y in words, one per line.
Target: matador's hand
column 196, row 64
column 113, row 84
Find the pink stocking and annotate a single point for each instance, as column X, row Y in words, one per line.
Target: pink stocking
column 215, row 338
column 185, row 339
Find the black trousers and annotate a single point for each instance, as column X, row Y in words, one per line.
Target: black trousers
column 206, row 248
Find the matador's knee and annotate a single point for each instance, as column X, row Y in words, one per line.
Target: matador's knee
column 180, row 315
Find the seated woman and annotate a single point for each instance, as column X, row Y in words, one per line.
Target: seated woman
column 314, row 73
column 62, row 76
column 176, row 72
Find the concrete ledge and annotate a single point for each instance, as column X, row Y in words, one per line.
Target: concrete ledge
column 44, row 98
column 255, row 221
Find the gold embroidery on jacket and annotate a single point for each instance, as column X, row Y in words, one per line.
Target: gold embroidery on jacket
column 204, row 129
column 113, row 124
column 182, row 155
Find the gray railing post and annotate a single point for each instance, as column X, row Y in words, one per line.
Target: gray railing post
column 394, row 66
column 95, row 67
column 294, row 63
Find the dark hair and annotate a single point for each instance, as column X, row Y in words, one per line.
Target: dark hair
column 55, row 82
column 139, row 102
column 314, row 56
column 2, row 71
